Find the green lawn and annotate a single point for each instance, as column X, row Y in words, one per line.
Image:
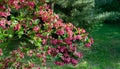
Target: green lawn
column 105, row 53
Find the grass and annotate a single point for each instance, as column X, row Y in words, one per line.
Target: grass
column 105, row 53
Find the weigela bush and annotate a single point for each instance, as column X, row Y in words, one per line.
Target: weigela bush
column 41, row 35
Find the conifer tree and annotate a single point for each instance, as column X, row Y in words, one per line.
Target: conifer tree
column 80, row 12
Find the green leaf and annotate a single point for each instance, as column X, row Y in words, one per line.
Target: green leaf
column 10, row 35
column 20, row 33
column 47, row 0
column 36, row 21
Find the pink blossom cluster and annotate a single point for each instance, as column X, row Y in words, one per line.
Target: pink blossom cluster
column 40, row 27
column 13, row 60
column 18, row 4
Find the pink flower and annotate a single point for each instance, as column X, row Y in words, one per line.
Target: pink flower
column 78, row 37
column 44, row 41
column 56, row 16
column 88, row 45
column 4, row 14
column 21, row 55
column 72, row 48
column 31, row 4
column 30, row 53
column 45, row 18
column 66, row 60
column 22, row 0
column 62, row 48
column 10, row 1
column 39, row 35
column 36, row 28
column 79, row 30
column 83, row 31
column 32, row 65
column 15, row 2
column 26, row 68
column 66, row 54
column 55, row 25
column 18, row 64
column 70, row 33
column 17, row 27
column 47, row 7
column 43, row 55
column 78, row 54
column 41, row 12
column 54, row 51
column 91, row 40
column 60, row 32
column 59, row 63
column 44, row 60
column 2, row 7
column 59, row 41
column 68, row 41
column 49, row 52
column 38, row 67
column 17, row 7
column 54, row 41
column 9, row 22
column 2, row 23
column 38, row 55
column 41, row 7
column 74, row 62
column 67, row 28
column 60, row 24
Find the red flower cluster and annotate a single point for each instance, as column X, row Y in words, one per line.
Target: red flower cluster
column 17, row 27
column 14, row 60
column 32, row 22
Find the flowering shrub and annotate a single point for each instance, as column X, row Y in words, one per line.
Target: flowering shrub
column 42, row 35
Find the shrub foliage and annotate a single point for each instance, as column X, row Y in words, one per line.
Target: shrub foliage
column 30, row 31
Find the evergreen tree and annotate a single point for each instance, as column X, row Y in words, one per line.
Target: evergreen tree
column 110, row 10
column 80, row 12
